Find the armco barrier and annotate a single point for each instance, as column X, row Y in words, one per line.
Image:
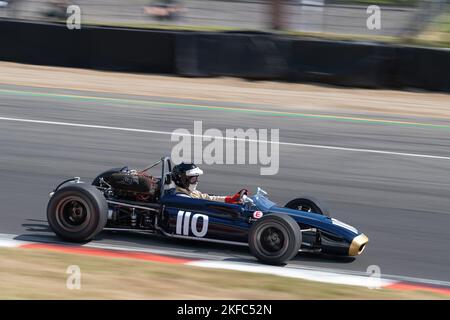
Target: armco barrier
column 91, row 47
column 43, row 44
column 248, row 55
column 342, row 63
column 132, row 50
column 423, row 68
column 252, row 56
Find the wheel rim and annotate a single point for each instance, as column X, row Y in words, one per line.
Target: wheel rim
column 304, row 207
column 73, row 214
column 274, row 240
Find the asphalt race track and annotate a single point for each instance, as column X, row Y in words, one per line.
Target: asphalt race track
column 390, row 179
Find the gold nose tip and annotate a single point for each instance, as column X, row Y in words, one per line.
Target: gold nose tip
column 358, row 244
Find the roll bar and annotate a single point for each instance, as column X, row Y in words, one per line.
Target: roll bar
column 166, row 170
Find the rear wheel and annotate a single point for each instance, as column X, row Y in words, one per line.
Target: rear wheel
column 308, row 205
column 77, row 212
column 275, row 239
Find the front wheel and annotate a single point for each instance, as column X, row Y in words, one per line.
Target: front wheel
column 77, row 212
column 308, row 205
column 275, row 239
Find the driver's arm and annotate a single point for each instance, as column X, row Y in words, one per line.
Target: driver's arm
column 198, row 195
column 227, row 199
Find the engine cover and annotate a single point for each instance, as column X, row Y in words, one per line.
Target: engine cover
column 132, row 182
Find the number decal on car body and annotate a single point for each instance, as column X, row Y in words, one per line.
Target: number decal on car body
column 185, row 223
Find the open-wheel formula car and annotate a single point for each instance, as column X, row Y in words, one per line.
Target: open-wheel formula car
column 124, row 199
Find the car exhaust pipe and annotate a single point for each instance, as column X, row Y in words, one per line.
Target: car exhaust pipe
column 358, row 245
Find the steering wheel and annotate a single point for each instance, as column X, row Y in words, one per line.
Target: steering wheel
column 242, row 193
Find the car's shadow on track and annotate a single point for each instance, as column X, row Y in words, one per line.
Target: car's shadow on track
column 40, row 238
column 204, row 250
column 235, row 253
column 321, row 257
column 39, row 226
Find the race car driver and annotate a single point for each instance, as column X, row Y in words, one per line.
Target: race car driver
column 185, row 176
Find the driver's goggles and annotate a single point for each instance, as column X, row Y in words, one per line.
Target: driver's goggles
column 193, row 179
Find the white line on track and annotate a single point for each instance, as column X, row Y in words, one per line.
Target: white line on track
column 170, row 133
column 8, row 240
column 212, row 260
column 311, row 275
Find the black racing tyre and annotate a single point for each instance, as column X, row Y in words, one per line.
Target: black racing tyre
column 309, row 205
column 275, row 239
column 77, row 212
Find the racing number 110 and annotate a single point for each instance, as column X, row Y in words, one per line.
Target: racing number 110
column 183, row 225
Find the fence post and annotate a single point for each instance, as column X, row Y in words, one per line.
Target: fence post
column 276, row 11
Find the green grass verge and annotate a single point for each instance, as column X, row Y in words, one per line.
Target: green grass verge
column 400, row 3
column 438, row 32
column 41, row 274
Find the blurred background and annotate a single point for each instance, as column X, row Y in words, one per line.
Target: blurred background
column 377, row 157
column 424, row 21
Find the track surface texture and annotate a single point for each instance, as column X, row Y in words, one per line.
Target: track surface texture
column 399, row 200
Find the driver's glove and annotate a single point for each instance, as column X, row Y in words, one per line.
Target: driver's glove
column 236, row 198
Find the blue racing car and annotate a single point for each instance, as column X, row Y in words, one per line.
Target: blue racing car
column 127, row 199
